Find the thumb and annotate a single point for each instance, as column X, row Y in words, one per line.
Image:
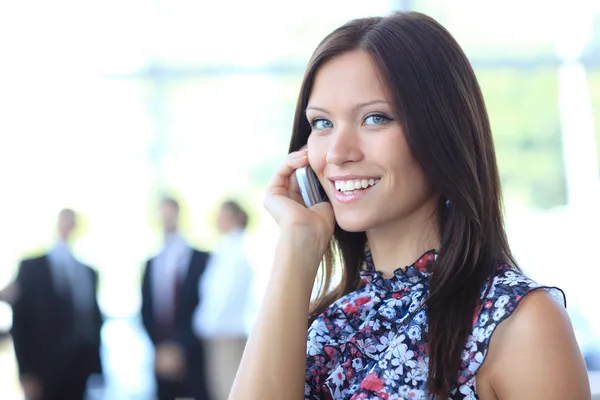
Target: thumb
column 325, row 211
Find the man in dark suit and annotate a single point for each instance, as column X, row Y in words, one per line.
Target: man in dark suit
column 169, row 298
column 57, row 322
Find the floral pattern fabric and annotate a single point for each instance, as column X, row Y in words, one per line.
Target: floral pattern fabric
column 371, row 343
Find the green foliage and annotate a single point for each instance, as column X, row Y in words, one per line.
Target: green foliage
column 523, row 109
column 594, row 85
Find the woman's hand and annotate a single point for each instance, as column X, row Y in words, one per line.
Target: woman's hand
column 275, row 357
column 284, row 202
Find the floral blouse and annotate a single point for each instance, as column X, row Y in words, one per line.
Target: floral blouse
column 369, row 344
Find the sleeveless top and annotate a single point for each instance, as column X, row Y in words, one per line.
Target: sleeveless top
column 370, row 344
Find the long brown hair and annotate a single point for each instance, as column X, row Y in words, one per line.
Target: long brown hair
column 439, row 103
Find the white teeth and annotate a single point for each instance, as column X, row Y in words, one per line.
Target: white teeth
column 348, row 186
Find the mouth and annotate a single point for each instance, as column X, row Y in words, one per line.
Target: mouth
column 354, row 186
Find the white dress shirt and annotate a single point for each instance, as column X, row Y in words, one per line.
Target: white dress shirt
column 225, row 291
column 70, row 277
column 169, row 265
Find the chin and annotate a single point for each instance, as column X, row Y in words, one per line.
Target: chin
column 350, row 222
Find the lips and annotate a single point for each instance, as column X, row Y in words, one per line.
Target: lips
column 352, row 189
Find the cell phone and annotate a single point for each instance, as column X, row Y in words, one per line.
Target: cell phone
column 310, row 187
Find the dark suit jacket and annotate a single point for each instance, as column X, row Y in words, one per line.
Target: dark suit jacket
column 186, row 303
column 46, row 343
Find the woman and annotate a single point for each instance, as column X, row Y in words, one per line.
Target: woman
column 398, row 135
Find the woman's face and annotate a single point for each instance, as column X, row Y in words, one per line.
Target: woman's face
column 357, row 148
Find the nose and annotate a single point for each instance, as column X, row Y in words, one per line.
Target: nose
column 344, row 147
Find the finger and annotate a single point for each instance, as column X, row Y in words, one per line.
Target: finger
column 281, row 179
column 325, row 211
column 323, row 208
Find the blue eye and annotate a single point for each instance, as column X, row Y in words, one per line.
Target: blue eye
column 321, row 123
column 376, row 119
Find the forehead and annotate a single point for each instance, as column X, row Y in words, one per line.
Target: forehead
column 168, row 206
column 66, row 215
column 346, row 80
column 226, row 208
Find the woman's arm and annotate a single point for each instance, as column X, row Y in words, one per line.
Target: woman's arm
column 273, row 365
column 534, row 355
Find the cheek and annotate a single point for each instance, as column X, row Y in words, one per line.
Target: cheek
column 317, row 154
column 410, row 178
column 396, row 154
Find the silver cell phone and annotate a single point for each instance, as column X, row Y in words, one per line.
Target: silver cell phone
column 310, row 187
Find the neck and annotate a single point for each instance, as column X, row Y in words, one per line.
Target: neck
column 231, row 230
column 170, row 237
column 170, row 233
column 400, row 243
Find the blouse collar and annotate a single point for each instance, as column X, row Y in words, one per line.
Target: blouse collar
column 403, row 278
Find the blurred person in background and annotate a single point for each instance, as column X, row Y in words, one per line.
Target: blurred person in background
column 57, row 321
column 220, row 319
column 169, row 298
column 431, row 303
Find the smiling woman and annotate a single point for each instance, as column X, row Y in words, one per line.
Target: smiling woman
column 431, row 303
column 352, row 142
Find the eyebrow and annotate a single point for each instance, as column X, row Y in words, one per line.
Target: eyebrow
column 357, row 107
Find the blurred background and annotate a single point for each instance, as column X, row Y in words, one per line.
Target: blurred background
column 107, row 105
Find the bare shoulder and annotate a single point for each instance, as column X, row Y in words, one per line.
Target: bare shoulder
column 533, row 354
